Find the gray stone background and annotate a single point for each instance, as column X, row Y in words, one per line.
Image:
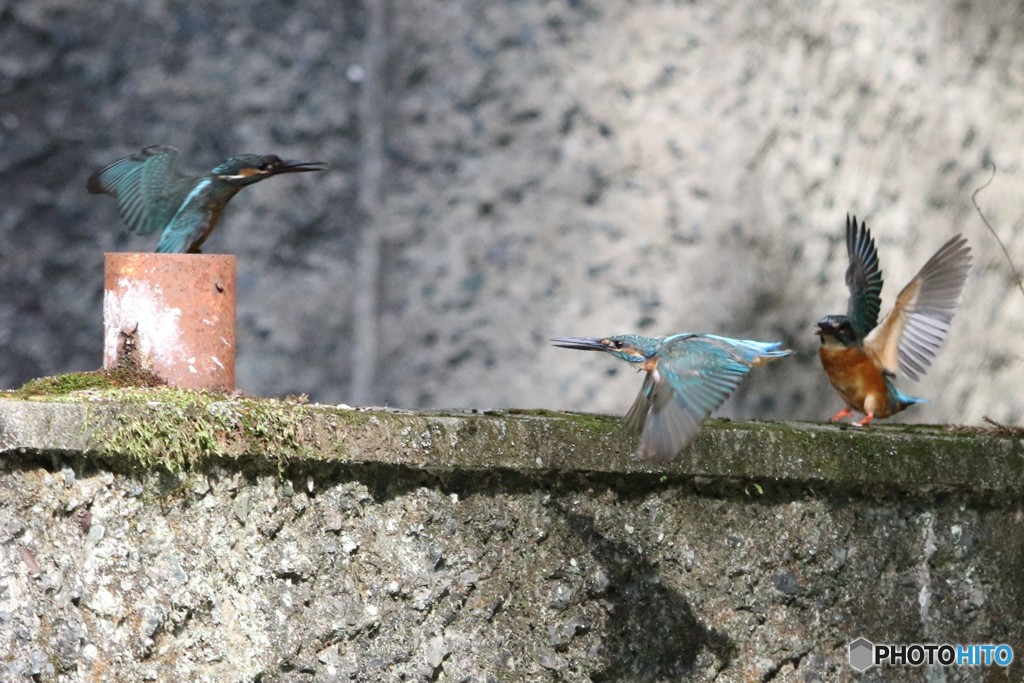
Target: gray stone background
column 507, row 172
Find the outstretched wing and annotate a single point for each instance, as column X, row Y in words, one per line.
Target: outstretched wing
column 918, row 324
column 147, row 186
column 693, row 376
column 863, row 277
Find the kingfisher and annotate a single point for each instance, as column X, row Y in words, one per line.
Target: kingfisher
column 152, row 194
column 861, row 356
column 688, row 376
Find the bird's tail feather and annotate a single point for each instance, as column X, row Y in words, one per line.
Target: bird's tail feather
column 902, row 400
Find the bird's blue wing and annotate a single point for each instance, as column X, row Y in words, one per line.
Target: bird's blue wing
column 692, row 377
column 147, row 185
column 863, row 278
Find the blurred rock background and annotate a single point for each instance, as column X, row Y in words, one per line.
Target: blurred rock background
column 505, row 172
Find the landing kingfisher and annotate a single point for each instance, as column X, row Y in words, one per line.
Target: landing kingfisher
column 861, row 356
column 688, row 376
column 152, row 194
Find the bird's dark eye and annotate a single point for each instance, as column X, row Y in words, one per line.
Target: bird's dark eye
column 264, row 166
column 617, row 343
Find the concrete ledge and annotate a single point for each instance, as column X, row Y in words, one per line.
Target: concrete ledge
column 187, row 428
column 294, row 543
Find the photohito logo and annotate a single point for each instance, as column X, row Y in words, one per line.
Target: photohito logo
column 864, row 654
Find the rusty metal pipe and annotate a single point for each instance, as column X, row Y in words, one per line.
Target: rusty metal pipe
column 172, row 314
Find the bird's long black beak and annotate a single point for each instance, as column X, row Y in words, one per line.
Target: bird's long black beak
column 825, row 327
column 582, row 343
column 300, row 166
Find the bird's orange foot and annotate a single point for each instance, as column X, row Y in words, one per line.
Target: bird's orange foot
column 867, row 418
column 845, row 412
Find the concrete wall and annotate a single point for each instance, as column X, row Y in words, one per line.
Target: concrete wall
column 504, row 172
column 307, row 543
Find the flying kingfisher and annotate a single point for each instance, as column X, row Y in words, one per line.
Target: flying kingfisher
column 688, row 376
column 860, row 357
column 152, row 194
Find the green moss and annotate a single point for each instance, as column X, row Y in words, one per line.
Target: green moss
column 59, row 385
column 574, row 425
column 178, row 429
column 272, row 426
column 173, row 429
column 536, row 412
column 62, row 385
column 590, row 422
column 925, row 458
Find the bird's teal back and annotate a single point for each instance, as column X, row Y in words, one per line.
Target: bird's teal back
column 199, row 212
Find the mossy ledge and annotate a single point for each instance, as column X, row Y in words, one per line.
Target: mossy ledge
column 121, row 377
column 175, row 429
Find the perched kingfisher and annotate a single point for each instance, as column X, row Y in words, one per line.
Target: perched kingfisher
column 152, row 194
column 688, row 376
column 860, row 357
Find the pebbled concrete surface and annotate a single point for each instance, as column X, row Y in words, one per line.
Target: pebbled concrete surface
column 383, row 545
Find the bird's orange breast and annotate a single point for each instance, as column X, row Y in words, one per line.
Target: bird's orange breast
column 857, row 378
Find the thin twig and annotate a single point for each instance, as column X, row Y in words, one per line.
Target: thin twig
column 993, row 428
column 1016, row 274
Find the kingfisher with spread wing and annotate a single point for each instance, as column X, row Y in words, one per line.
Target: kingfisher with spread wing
column 152, row 194
column 688, row 376
column 862, row 356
